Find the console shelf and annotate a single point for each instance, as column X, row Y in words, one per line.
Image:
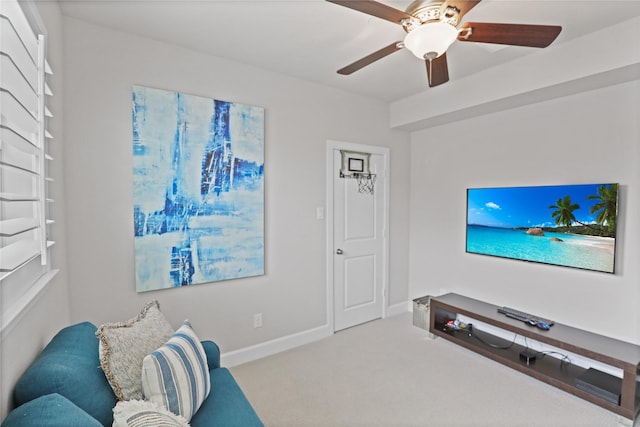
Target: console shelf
column 609, row 351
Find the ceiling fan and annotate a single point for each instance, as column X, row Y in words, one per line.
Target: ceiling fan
column 432, row 26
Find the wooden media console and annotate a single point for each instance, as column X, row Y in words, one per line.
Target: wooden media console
column 561, row 374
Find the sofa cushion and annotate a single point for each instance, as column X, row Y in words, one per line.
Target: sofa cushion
column 176, row 375
column 50, row 410
column 68, row 365
column 141, row 413
column 227, row 405
column 123, row 346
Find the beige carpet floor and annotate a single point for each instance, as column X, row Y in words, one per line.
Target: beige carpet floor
column 389, row 373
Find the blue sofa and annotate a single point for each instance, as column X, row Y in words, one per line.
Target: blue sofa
column 65, row 386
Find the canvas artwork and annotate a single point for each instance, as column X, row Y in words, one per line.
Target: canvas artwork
column 198, row 189
column 567, row 225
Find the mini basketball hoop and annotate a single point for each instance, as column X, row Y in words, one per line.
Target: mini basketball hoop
column 366, row 182
column 356, row 165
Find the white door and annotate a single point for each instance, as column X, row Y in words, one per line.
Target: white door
column 359, row 244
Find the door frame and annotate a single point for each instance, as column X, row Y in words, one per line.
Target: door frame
column 381, row 180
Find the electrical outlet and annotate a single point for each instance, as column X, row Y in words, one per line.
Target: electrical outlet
column 257, row 320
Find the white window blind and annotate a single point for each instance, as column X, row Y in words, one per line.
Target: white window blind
column 24, row 147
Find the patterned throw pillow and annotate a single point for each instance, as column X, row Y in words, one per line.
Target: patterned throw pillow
column 176, row 375
column 140, row 413
column 124, row 345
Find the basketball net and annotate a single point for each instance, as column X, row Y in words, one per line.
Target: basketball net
column 366, row 182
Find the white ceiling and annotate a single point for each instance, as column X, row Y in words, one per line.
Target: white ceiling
column 311, row 39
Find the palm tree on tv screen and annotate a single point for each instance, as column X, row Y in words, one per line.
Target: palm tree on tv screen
column 606, row 207
column 564, row 211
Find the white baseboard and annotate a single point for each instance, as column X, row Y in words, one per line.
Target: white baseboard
column 268, row 348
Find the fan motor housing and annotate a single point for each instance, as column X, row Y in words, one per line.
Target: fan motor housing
column 423, row 12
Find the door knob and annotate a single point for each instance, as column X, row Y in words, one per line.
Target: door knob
column 339, row 251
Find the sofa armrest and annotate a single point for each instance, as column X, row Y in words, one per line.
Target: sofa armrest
column 69, row 365
column 213, row 354
column 50, row 410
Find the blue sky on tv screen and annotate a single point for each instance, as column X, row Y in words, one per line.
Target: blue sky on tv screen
column 526, row 206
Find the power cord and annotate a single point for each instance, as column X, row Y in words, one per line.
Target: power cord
column 565, row 359
column 496, row 346
column 533, row 353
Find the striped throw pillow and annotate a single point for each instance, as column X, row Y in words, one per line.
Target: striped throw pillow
column 141, row 413
column 176, row 375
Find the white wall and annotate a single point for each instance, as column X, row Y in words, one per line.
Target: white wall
column 101, row 67
column 590, row 137
column 25, row 337
column 587, row 137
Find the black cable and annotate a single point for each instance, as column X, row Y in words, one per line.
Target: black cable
column 500, row 347
column 565, row 358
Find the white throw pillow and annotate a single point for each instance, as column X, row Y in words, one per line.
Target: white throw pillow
column 176, row 375
column 123, row 346
column 140, row 413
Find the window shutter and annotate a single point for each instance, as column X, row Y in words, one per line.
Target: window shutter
column 24, row 144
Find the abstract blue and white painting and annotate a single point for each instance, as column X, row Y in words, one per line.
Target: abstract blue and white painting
column 198, row 189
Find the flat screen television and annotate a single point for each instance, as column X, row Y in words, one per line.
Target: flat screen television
column 566, row 225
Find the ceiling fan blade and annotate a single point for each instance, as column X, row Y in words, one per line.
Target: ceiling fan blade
column 361, row 63
column 511, row 34
column 437, row 70
column 463, row 6
column 374, row 8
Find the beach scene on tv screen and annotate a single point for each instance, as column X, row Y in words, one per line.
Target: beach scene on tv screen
column 567, row 225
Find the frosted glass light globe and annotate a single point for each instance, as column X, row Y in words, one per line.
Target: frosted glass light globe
column 430, row 40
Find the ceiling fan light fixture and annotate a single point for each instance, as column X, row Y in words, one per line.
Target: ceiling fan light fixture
column 430, row 40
